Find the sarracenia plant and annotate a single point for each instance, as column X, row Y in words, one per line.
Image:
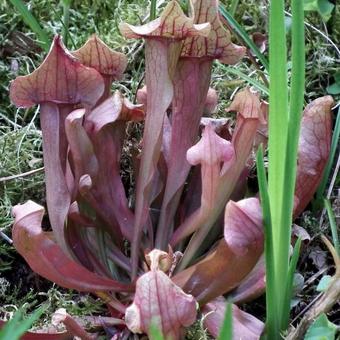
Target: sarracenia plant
column 190, row 236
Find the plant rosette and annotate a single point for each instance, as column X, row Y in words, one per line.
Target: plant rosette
column 190, row 237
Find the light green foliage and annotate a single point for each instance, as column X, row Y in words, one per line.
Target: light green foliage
column 155, row 333
column 324, row 283
column 335, row 87
column 323, row 7
column 226, row 332
column 18, row 325
column 321, row 329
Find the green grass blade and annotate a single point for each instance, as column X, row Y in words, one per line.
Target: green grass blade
column 233, row 7
column 66, row 19
column 244, row 36
column 32, row 22
column 278, row 122
column 261, row 87
column 66, row 32
column 272, row 321
column 334, row 228
column 155, row 333
column 17, row 326
column 289, row 286
column 153, row 7
column 226, row 332
column 290, row 168
column 328, row 168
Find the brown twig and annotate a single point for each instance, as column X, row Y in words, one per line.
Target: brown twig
column 24, row 174
column 5, row 237
column 257, row 66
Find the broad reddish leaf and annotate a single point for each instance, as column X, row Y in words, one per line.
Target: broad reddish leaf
column 159, row 302
column 57, row 85
column 243, row 225
column 46, row 258
column 252, row 286
column 162, row 48
column 226, row 266
column 314, row 147
column 245, row 326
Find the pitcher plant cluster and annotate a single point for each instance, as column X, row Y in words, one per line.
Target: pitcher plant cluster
column 189, row 239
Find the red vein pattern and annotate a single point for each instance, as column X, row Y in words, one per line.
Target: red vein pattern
column 245, row 326
column 171, row 24
column 243, row 225
column 218, row 44
column 159, row 301
column 314, row 148
column 60, row 79
column 96, row 54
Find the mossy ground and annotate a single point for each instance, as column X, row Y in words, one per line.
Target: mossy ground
column 20, row 137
